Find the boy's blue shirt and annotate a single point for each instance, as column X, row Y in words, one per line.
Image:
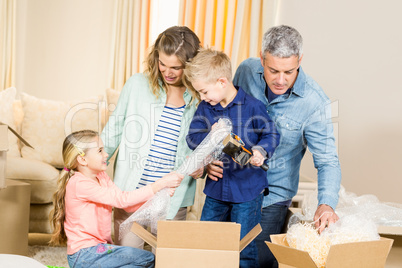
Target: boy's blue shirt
column 253, row 125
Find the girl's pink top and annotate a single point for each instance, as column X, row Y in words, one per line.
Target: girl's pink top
column 89, row 209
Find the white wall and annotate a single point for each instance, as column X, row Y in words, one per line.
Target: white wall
column 353, row 50
column 63, row 48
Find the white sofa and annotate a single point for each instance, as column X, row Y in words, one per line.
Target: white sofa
column 44, row 124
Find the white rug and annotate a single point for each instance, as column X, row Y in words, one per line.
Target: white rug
column 52, row 256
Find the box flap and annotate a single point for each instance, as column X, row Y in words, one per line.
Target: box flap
column 3, row 138
column 250, row 236
column 144, row 234
column 199, row 235
column 291, row 256
column 392, row 230
column 18, row 135
column 371, row 254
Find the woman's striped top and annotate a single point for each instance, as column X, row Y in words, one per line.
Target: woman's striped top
column 162, row 155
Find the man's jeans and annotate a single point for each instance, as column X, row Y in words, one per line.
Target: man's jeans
column 272, row 221
column 108, row 256
column 248, row 214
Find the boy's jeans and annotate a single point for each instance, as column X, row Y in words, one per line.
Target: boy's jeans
column 248, row 214
column 108, row 256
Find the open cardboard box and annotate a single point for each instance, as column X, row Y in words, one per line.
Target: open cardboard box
column 395, row 256
column 370, row 254
column 14, row 205
column 197, row 243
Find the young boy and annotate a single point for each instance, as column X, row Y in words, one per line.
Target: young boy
column 238, row 195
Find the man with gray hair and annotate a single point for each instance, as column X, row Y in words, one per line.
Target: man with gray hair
column 301, row 112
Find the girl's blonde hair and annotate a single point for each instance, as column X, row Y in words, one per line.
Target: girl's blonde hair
column 177, row 40
column 75, row 144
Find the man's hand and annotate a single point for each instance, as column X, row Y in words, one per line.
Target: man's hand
column 324, row 217
column 215, row 170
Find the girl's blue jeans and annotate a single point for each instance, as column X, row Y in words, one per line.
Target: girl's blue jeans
column 109, row 256
column 248, row 214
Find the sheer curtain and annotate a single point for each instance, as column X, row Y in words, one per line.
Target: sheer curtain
column 233, row 26
column 7, row 43
column 131, row 39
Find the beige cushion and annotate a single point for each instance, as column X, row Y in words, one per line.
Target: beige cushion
column 18, row 115
column 42, row 177
column 46, row 123
column 112, row 96
column 7, row 98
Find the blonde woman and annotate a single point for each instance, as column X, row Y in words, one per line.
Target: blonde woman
column 150, row 123
column 83, row 206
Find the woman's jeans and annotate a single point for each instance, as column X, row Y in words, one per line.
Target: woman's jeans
column 109, row 256
column 248, row 214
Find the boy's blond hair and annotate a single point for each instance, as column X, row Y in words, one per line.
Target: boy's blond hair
column 208, row 66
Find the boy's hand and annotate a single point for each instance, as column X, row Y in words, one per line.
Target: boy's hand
column 214, row 125
column 257, row 159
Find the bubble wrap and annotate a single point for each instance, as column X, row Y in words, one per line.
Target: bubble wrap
column 364, row 206
column 359, row 217
column 156, row 208
column 209, row 149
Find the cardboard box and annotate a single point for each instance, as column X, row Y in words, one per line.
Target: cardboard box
column 370, row 254
column 197, row 243
column 394, row 259
column 14, row 206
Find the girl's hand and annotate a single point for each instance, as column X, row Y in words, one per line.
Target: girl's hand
column 171, row 180
column 257, row 159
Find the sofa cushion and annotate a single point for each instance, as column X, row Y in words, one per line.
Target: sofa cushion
column 112, row 97
column 42, row 177
column 46, row 123
column 7, row 98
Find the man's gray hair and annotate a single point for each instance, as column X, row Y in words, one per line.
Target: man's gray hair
column 283, row 42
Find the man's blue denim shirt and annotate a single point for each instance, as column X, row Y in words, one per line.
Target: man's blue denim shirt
column 303, row 119
column 252, row 124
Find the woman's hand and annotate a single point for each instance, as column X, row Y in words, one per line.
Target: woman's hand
column 198, row 173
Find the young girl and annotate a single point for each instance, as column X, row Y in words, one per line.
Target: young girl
column 150, row 124
column 83, row 206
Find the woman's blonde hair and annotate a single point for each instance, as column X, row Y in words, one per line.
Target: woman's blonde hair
column 75, row 144
column 177, row 40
